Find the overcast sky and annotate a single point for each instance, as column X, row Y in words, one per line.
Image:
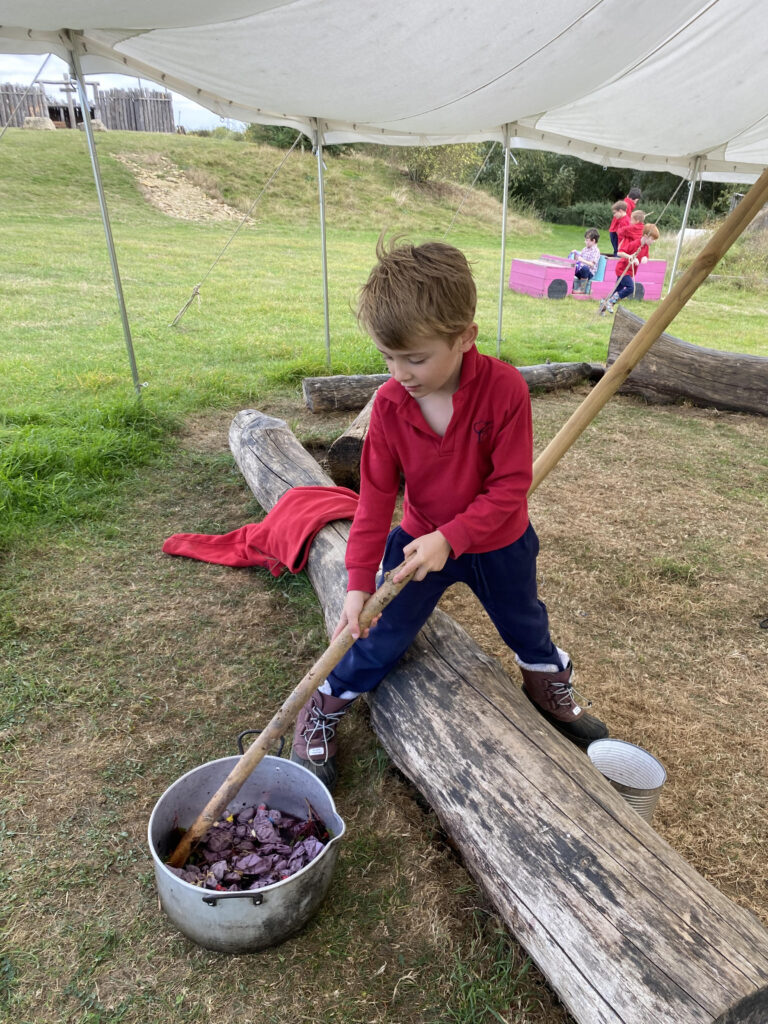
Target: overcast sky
column 23, row 68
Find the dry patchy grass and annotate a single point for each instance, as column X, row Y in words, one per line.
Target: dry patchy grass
column 124, row 668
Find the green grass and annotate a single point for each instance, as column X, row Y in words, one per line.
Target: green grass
column 67, row 429
column 121, row 669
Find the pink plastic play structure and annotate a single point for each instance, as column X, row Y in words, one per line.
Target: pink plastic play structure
column 551, row 277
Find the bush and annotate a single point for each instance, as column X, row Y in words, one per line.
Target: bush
column 457, row 163
column 597, row 214
column 218, row 133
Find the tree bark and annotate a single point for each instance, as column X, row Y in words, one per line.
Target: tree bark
column 344, row 454
column 625, row 931
column 674, row 370
column 324, row 394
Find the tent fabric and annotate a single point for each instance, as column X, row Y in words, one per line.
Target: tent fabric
column 651, row 86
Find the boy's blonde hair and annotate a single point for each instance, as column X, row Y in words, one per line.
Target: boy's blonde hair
column 417, row 290
column 619, row 205
column 652, row 231
column 638, row 216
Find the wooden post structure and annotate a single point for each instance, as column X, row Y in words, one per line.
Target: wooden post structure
column 657, row 322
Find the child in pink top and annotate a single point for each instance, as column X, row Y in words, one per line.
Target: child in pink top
column 457, row 426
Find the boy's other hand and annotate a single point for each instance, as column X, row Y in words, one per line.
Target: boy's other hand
column 350, row 615
column 425, row 554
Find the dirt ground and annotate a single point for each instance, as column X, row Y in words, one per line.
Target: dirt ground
column 134, row 667
column 654, row 543
column 654, row 539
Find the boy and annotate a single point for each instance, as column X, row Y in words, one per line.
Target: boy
column 457, row 425
column 627, row 266
column 626, row 207
column 619, row 211
column 586, row 260
column 630, row 231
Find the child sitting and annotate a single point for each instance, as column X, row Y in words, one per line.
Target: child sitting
column 627, row 266
column 457, row 425
column 586, row 260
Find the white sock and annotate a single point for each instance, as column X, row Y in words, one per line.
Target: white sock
column 347, row 695
column 563, row 655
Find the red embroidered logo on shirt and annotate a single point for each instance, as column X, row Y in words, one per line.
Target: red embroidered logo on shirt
column 482, row 428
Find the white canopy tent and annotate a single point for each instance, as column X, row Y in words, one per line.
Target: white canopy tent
column 652, row 87
column 679, row 87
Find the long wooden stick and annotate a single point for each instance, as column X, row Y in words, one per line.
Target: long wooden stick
column 659, row 320
column 656, row 324
column 284, row 718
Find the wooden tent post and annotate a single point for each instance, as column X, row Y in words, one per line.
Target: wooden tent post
column 657, row 322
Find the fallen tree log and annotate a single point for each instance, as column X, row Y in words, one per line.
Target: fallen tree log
column 323, row 394
column 625, row 931
column 674, row 370
column 344, row 454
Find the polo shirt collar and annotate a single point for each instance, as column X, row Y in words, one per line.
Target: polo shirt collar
column 469, row 369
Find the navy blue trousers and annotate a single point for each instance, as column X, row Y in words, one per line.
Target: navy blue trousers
column 625, row 286
column 503, row 580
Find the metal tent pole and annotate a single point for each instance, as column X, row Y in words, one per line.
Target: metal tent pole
column 321, row 197
column 502, row 271
column 688, row 203
column 78, row 74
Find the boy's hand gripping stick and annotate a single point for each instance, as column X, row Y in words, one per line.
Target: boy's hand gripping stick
column 285, row 717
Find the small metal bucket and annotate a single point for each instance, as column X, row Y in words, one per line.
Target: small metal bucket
column 635, row 773
column 242, row 922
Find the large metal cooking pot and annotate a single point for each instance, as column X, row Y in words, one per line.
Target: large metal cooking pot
column 241, row 922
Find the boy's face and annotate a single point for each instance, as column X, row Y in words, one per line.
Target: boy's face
column 430, row 365
column 647, row 240
column 589, row 242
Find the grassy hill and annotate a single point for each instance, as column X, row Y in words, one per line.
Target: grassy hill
column 256, row 327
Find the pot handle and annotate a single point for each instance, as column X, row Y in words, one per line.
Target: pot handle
column 255, row 732
column 214, row 897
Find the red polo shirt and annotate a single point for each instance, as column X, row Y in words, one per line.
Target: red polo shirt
column 471, row 484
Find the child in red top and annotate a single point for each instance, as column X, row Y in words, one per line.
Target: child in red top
column 630, row 231
column 457, row 425
column 622, row 208
column 627, row 266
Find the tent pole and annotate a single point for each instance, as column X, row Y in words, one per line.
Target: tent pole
column 78, row 73
column 321, row 197
column 657, row 322
column 681, row 236
column 502, row 271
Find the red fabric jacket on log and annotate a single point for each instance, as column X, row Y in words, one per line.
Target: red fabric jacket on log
column 280, row 541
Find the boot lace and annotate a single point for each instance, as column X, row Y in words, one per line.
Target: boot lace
column 321, row 725
column 565, row 695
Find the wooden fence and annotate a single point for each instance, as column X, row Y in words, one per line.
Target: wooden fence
column 136, row 110
column 34, row 104
column 132, row 110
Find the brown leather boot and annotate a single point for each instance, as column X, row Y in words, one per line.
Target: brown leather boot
column 314, row 738
column 552, row 695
